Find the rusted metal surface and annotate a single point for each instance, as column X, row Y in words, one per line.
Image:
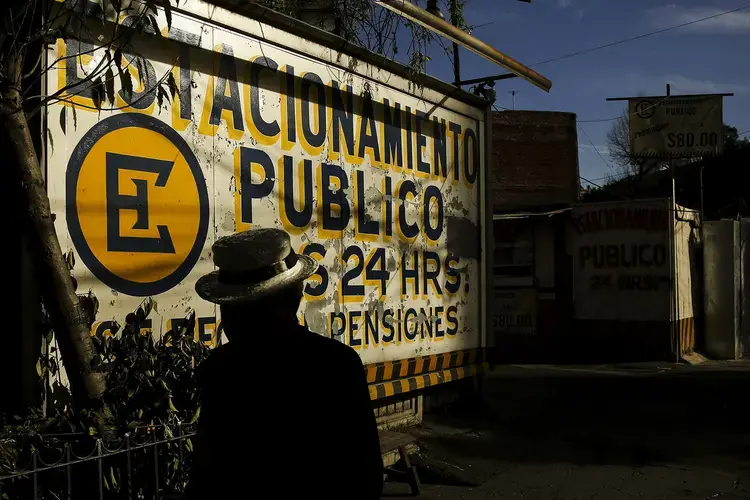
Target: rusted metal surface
column 370, row 176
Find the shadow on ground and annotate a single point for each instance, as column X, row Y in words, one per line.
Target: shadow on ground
column 547, row 416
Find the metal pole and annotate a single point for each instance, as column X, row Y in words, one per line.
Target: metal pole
column 156, row 466
column 99, row 468
column 35, row 480
column 130, row 466
column 434, row 23
column 674, row 285
column 702, row 206
column 456, row 57
column 513, row 93
column 68, row 472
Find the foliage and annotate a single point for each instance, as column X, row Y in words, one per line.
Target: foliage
column 120, row 21
column 708, row 184
column 374, row 28
column 618, row 144
column 152, row 392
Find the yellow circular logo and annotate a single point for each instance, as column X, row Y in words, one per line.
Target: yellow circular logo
column 137, row 204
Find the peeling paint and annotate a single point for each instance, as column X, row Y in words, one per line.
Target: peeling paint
column 380, row 259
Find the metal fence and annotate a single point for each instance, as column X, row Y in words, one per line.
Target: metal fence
column 71, row 475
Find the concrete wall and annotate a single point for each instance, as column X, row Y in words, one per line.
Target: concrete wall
column 722, row 288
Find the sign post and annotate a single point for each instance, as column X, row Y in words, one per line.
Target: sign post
column 670, row 127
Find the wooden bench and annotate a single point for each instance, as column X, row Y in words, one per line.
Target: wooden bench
column 392, row 441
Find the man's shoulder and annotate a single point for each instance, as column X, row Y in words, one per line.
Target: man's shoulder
column 326, row 345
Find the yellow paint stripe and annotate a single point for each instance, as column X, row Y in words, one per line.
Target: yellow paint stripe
column 419, row 367
column 460, row 358
column 388, row 371
column 433, row 363
column 404, row 385
column 422, row 364
column 388, row 389
column 401, row 386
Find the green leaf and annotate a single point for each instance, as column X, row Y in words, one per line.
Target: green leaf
column 92, row 431
column 126, row 82
column 196, row 415
column 159, row 97
column 171, row 405
column 118, row 59
column 98, row 93
column 109, row 82
column 189, row 445
column 168, row 13
column 173, row 88
column 112, row 479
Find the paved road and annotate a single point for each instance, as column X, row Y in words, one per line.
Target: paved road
column 597, row 433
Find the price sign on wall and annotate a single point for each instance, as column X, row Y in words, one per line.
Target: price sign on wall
column 675, row 127
column 515, row 311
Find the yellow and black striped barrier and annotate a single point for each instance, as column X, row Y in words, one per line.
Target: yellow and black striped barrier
column 406, row 375
column 686, row 332
column 417, row 382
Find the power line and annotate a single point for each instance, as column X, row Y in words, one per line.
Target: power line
column 595, row 148
column 644, row 35
column 592, row 183
column 739, row 134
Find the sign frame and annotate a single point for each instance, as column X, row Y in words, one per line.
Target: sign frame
column 680, row 135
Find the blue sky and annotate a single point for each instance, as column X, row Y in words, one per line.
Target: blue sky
column 711, row 56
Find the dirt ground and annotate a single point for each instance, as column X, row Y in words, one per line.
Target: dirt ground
column 645, row 431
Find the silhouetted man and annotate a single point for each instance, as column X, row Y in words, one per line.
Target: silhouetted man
column 285, row 412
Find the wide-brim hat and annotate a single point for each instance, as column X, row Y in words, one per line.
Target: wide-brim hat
column 252, row 265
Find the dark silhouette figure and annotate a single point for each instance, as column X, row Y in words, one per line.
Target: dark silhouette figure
column 285, row 412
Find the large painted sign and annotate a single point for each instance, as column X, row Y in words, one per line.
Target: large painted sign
column 676, row 127
column 375, row 181
column 622, row 261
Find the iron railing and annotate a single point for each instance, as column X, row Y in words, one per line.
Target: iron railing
column 34, row 481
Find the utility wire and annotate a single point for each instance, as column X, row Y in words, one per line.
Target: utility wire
column 592, row 183
column 644, row 35
column 595, row 148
